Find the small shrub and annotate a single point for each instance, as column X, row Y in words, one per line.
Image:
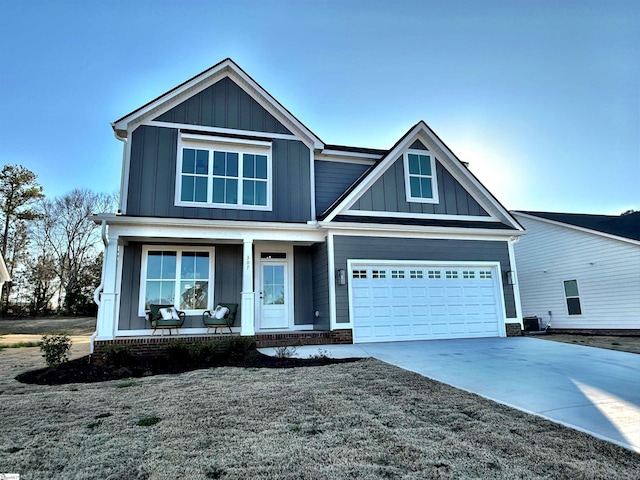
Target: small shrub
column 615, row 343
column 178, row 351
column 285, row 352
column 55, row 349
column 128, row 383
column 20, row 345
column 321, row 355
column 117, row 355
column 148, row 421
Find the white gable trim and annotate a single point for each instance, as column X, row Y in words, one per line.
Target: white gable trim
column 429, row 216
column 446, row 158
column 575, row 227
column 226, row 68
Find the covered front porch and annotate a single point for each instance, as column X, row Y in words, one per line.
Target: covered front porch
column 276, row 275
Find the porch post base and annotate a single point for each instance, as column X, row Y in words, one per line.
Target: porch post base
column 247, row 327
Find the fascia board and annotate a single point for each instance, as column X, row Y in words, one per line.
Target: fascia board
column 385, row 230
column 577, row 228
column 226, row 68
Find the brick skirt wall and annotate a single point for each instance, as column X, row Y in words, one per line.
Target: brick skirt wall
column 513, row 330
column 153, row 346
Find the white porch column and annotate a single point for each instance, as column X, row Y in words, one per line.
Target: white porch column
column 248, row 297
column 108, row 310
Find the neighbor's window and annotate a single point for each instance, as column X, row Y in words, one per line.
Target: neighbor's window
column 420, row 176
column 225, row 175
column 573, row 297
column 177, row 276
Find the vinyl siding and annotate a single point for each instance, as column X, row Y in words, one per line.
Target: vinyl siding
column 607, row 271
column 333, row 179
column 227, row 288
column 152, row 181
column 388, row 194
column 380, row 248
column 225, row 105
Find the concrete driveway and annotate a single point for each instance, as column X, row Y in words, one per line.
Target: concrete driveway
column 590, row 389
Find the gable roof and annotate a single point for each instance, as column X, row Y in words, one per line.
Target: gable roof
column 624, row 226
column 223, row 69
column 456, row 167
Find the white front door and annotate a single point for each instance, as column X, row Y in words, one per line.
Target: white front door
column 273, row 295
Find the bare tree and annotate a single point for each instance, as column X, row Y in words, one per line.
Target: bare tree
column 71, row 237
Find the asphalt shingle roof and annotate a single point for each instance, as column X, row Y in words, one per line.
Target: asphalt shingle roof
column 627, row 226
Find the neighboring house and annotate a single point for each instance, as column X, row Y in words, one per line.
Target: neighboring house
column 227, row 197
column 580, row 272
column 4, row 273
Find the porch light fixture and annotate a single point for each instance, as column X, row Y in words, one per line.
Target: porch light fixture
column 341, row 276
column 511, row 277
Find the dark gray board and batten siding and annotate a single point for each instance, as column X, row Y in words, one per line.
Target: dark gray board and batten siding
column 381, row 248
column 333, row 179
column 388, row 194
column 152, row 181
column 227, row 288
column 225, row 105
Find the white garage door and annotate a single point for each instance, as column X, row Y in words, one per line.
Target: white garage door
column 412, row 302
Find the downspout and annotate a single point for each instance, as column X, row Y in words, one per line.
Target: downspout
column 98, row 290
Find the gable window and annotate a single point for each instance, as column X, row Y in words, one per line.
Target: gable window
column 228, row 173
column 178, row 276
column 572, row 297
column 420, row 176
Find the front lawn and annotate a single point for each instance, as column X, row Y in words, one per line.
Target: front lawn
column 365, row 420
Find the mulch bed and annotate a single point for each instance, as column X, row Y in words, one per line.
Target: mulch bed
column 82, row 370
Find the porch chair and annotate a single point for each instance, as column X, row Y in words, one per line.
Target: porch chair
column 163, row 317
column 224, row 315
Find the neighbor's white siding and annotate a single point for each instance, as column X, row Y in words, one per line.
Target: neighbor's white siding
column 607, row 271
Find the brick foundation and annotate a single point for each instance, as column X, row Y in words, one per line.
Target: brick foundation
column 155, row 346
column 514, row 330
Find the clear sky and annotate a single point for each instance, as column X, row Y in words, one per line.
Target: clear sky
column 542, row 98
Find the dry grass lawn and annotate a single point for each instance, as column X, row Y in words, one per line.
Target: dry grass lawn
column 42, row 325
column 611, row 342
column 364, row 420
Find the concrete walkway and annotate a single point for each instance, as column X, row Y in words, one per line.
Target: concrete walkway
column 590, row 389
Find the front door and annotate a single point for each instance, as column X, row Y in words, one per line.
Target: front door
column 273, row 295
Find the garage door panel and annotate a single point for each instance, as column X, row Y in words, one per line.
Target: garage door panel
column 412, row 302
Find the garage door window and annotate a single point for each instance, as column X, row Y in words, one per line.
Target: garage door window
column 434, row 274
column 417, row 274
column 468, row 274
column 451, row 274
column 378, row 274
column 573, row 297
column 359, row 274
column 398, row 274
column 485, row 274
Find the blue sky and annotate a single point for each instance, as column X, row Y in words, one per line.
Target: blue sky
column 542, row 98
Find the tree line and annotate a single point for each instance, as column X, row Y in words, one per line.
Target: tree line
column 51, row 246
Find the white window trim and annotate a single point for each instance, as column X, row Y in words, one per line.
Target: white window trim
column 434, row 178
column 180, row 249
column 235, row 145
column 579, row 297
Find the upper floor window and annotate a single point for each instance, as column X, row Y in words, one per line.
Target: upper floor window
column 420, row 176
column 224, row 174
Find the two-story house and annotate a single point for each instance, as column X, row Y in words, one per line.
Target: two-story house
column 227, row 197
